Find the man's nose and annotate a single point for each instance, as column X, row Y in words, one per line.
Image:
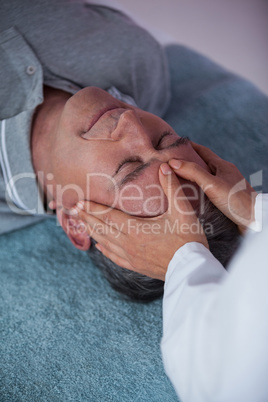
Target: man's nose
column 131, row 130
column 136, row 138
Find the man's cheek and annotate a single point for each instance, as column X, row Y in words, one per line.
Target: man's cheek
column 146, row 200
column 155, row 202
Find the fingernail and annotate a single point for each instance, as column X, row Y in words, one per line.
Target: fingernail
column 73, row 211
column 175, row 163
column 80, row 205
column 165, row 169
column 52, row 204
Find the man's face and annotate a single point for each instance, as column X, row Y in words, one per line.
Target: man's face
column 110, row 152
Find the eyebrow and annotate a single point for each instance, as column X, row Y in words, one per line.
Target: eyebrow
column 139, row 169
column 135, row 173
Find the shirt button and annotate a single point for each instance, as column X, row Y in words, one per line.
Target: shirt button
column 31, row 70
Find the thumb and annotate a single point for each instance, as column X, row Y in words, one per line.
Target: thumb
column 173, row 190
column 195, row 173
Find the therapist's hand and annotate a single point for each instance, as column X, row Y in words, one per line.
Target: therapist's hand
column 225, row 186
column 145, row 245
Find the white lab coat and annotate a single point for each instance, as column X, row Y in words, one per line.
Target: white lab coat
column 215, row 335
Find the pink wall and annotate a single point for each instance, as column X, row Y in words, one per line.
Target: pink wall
column 232, row 32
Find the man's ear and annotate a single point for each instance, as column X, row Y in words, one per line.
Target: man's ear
column 75, row 229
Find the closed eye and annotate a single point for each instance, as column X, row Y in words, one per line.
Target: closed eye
column 165, row 142
column 138, row 167
column 138, row 164
column 134, row 174
column 165, row 134
column 126, row 161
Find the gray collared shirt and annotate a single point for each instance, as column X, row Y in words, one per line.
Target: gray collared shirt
column 65, row 45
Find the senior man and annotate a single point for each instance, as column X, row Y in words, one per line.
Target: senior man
column 64, row 46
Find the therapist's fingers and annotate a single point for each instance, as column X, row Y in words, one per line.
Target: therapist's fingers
column 179, row 207
column 94, row 212
column 145, row 245
column 209, row 183
column 114, row 257
column 111, row 237
column 102, row 223
column 216, row 189
column 177, row 200
column 228, row 190
column 212, row 160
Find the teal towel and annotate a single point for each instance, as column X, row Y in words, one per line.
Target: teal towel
column 65, row 334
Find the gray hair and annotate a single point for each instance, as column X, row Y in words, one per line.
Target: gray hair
column 223, row 238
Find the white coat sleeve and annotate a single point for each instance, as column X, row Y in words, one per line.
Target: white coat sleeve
column 215, row 322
